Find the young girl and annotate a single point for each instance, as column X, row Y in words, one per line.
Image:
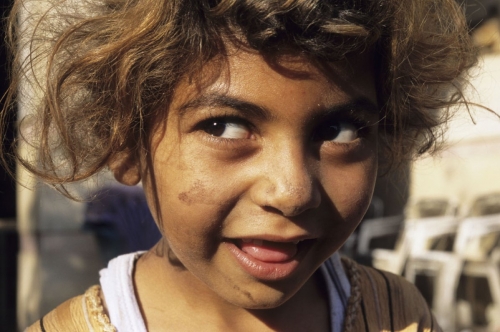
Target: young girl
column 257, row 129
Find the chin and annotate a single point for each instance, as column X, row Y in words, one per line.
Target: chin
column 268, row 303
column 264, row 297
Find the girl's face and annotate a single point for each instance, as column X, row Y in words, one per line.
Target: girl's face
column 263, row 173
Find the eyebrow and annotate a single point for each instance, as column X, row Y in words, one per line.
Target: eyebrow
column 225, row 101
column 361, row 103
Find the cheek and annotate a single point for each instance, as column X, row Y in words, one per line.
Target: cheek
column 191, row 212
column 350, row 188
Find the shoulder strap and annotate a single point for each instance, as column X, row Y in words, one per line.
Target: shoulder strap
column 80, row 314
column 66, row 317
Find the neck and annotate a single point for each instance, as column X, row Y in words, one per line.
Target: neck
column 168, row 295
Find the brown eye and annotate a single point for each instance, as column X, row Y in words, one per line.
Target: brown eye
column 229, row 130
column 215, row 128
column 328, row 132
column 341, row 132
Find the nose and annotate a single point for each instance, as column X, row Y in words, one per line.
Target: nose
column 286, row 182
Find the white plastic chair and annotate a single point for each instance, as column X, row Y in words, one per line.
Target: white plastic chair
column 443, row 267
column 376, row 231
column 472, row 233
column 477, row 244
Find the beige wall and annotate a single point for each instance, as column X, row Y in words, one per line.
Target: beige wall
column 470, row 166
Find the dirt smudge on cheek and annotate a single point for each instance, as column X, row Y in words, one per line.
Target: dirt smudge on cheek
column 196, row 194
column 184, row 197
column 199, row 194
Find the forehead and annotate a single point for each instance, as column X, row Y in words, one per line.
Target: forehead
column 265, row 81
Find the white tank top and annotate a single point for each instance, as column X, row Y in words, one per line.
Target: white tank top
column 124, row 313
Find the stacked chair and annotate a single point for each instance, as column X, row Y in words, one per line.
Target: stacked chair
column 454, row 261
column 433, row 266
column 478, row 246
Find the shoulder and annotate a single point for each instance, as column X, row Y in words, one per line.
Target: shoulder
column 386, row 300
column 68, row 316
column 81, row 313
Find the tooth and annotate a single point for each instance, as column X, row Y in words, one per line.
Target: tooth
column 246, row 240
column 258, row 242
column 296, row 242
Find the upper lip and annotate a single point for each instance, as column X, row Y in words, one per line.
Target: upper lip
column 274, row 238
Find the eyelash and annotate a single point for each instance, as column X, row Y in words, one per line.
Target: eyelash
column 227, row 118
column 361, row 124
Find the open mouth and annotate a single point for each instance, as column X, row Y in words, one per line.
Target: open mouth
column 268, row 260
column 270, row 251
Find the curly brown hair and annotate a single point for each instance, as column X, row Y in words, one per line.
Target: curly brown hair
column 111, row 69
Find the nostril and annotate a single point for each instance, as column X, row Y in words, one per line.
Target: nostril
column 271, row 209
column 293, row 211
column 291, row 203
column 288, row 211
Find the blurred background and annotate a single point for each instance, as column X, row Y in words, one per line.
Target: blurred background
column 437, row 221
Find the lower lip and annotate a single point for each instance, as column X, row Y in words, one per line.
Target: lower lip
column 264, row 270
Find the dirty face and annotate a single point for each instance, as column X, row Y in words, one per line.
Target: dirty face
column 261, row 174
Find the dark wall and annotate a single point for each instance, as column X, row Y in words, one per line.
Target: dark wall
column 9, row 240
column 7, row 185
column 478, row 11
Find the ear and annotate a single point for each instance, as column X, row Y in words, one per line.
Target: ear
column 126, row 168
